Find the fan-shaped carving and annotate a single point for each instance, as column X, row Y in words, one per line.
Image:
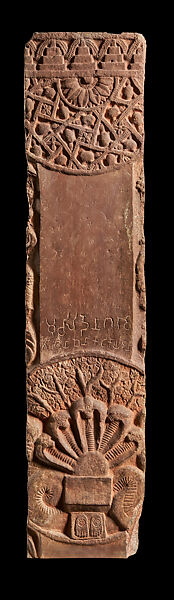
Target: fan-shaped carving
column 72, row 433
column 88, row 424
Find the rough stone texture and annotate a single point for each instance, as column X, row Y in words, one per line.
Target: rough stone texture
column 85, row 293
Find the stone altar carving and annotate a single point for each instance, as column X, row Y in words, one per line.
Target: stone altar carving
column 85, row 293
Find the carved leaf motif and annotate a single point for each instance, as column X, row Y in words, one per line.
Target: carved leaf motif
column 103, row 90
column 72, row 49
column 93, row 46
column 103, row 49
column 94, row 97
column 83, row 98
column 30, row 343
column 73, row 93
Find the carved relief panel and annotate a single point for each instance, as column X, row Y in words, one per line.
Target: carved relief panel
column 85, row 293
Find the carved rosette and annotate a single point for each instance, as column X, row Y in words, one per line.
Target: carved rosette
column 84, row 102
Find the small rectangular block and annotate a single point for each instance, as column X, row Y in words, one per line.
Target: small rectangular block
column 84, row 493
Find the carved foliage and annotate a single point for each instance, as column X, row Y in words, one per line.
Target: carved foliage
column 31, row 242
column 89, row 432
column 56, row 386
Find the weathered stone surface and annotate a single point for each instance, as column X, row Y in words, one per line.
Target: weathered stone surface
column 85, row 293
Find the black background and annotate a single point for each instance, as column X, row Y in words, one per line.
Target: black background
column 148, row 519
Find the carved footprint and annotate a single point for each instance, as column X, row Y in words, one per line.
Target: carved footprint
column 81, row 526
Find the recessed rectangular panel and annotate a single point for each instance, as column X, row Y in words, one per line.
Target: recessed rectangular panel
column 87, row 491
column 86, row 276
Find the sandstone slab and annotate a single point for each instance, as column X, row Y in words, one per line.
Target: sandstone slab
column 85, row 293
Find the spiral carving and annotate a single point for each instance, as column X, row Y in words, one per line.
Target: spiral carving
column 44, row 496
column 44, row 493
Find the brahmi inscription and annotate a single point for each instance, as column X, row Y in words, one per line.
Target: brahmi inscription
column 78, row 332
column 85, row 293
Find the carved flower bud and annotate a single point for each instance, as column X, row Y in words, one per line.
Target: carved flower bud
column 29, row 447
column 88, row 405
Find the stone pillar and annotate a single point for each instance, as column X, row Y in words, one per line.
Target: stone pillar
column 85, row 293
